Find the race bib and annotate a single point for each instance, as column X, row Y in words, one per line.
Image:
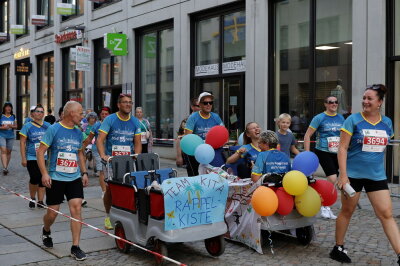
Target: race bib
column 118, row 150
column 7, row 122
column 374, row 140
column 333, row 144
column 37, row 147
column 67, row 162
column 143, row 137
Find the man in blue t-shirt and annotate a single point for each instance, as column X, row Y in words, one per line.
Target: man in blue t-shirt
column 66, row 175
column 200, row 123
column 122, row 135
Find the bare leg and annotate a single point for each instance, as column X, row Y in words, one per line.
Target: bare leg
column 33, row 189
column 343, row 219
column 107, row 200
column 41, row 192
column 75, row 207
column 8, row 157
column 332, row 178
column 4, row 156
column 102, row 182
column 50, row 217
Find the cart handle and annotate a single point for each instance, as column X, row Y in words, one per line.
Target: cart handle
column 106, row 163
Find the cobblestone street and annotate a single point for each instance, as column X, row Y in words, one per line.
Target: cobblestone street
column 366, row 241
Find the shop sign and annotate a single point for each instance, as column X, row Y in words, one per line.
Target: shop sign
column 39, row 20
column 206, row 70
column 65, row 9
column 83, row 57
column 17, row 29
column 234, row 67
column 72, row 54
column 68, row 36
column 3, row 36
column 23, row 67
column 22, row 53
column 116, row 43
column 150, row 47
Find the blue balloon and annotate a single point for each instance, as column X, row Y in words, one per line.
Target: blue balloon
column 190, row 142
column 240, row 139
column 306, row 162
column 204, row 153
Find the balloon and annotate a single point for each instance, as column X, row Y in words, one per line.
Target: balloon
column 295, row 183
column 326, row 190
column 240, row 139
column 264, row 201
column 204, row 153
column 217, row 136
column 189, row 143
column 309, row 203
column 306, row 162
column 285, row 202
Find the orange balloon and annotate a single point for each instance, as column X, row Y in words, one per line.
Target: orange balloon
column 264, row 201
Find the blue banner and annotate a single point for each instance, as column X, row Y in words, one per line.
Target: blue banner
column 196, row 200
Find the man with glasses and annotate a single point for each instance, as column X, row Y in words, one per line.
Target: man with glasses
column 122, row 135
column 200, row 123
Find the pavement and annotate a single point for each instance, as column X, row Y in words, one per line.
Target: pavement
column 20, row 229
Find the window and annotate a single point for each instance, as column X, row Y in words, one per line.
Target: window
column 46, row 8
column 397, row 27
column 102, row 3
column 305, row 73
column 73, row 80
column 4, row 18
column 23, row 98
column 4, row 84
column 46, row 81
column 23, row 15
column 156, row 79
column 78, row 7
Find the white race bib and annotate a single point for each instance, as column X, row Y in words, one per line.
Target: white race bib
column 333, row 144
column 143, row 137
column 118, row 150
column 37, row 147
column 67, row 162
column 374, row 140
column 7, row 122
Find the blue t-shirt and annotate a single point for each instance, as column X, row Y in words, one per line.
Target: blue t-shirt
column 271, row 162
column 251, row 153
column 95, row 129
column 285, row 142
column 7, row 120
column 120, row 134
column 326, row 126
column 64, row 144
column 200, row 125
column 27, row 120
column 365, row 164
column 33, row 133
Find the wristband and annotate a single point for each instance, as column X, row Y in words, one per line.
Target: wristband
column 84, row 173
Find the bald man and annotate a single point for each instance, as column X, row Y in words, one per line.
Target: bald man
column 67, row 173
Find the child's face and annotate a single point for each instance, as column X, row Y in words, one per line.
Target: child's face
column 263, row 146
column 284, row 124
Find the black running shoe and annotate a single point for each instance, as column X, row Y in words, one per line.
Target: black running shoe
column 77, row 253
column 339, row 254
column 46, row 238
column 84, row 203
column 5, row 171
column 32, row 204
column 40, row 204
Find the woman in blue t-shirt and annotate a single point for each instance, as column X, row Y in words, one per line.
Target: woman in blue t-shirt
column 8, row 123
column 363, row 140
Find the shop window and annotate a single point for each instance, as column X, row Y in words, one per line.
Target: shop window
column 305, row 73
column 22, row 15
column 103, row 3
column 73, row 80
column 23, row 98
column 4, row 84
column 46, row 82
column 4, row 21
column 78, row 7
column 397, row 27
column 156, row 82
column 46, row 8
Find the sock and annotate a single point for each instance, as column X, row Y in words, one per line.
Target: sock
column 45, row 232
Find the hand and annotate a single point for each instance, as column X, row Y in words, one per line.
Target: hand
column 46, row 181
column 241, row 151
column 85, row 180
column 24, row 162
column 105, row 158
column 343, row 179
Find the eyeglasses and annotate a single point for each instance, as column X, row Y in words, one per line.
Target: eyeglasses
column 332, row 102
column 42, row 112
column 208, row 103
column 196, row 105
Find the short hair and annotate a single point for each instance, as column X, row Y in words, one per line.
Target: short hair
column 194, row 102
column 329, row 96
column 122, row 95
column 269, row 137
column 283, row 116
column 68, row 107
column 91, row 115
column 139, row 108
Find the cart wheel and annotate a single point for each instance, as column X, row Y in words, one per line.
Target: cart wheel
column 215, row 246
column 305, row 234
column 120, row 232
column 160, row 248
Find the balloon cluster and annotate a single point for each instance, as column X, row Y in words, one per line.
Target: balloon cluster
column 204, row 153
column 296, row 191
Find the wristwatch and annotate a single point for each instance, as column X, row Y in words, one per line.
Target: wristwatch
column 84, row 173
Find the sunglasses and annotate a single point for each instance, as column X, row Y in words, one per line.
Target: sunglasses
column 332, row 102
column 374, row 87
column 42, row 112
column 208, row 103
column 196, row 105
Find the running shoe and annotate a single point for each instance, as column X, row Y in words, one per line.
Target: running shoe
column 325, row 213
column 107, row 224
column 339, row 254
column 5, row 171
column 77, row 253
column 331, row 215
column 40, row 204
column 84, row 202
column 46, row 238
column 32, row 205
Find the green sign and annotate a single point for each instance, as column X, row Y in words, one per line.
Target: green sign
column 17, row 29
column 65, row 9
column 150, row 47
column 117, row 43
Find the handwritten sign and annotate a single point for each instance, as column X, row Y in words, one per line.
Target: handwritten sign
column 192, row 201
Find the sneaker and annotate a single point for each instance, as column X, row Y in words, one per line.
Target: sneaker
column 77, row 253
column 331, row 215
column 339, row 254
column 325, row 213
column 46, row 238
column 32, row 205
column 5, row 171
column 40, row 204
column 107, row 224
column 84, row 202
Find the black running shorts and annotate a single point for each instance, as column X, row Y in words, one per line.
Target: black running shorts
column 369, row 185
column 71, row 189
column 328, row 162
column 34, row 173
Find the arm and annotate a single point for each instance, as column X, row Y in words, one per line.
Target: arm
column 87, row 141
column 236, row 156
column 342, row 158
column 100, row 145
column 310, row 131
column 82, row 166
column 22, row 145
column 179, row 159
column 46, row 180
column 294, row 150
column 255, row 177
column 138, row 144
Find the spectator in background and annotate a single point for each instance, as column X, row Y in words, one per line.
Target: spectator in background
column 49, row 118
column 146, row 135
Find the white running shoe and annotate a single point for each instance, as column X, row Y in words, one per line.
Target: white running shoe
column 331, row 215
column 325, row 213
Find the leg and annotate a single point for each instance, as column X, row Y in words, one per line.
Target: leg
column 101, row 181
column 107, row 200
column 33, row 189
column 41, row 192
column 50, row 217
column 332, row 178
column 8, row 157
column 382, row 205
column 3, row 156
column 75, row 208
column 343, row 219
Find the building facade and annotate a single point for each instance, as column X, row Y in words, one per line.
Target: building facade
column 259, row 58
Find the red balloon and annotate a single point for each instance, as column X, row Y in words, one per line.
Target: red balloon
column 326, row 190
column 285, row 202
column 217, row 136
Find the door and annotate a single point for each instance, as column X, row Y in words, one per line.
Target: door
column 396, row 121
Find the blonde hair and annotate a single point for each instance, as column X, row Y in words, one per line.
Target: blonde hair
column 281, row 117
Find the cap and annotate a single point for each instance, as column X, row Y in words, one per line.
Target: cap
column 205, row 94
column 33, row 107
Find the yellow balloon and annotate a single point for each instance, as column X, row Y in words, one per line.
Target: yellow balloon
column 295, row 183
column 309, row 203
column 264, row 201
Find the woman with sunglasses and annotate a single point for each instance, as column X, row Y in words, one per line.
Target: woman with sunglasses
column 8, row 123
column 363, row 141
column 327, row 125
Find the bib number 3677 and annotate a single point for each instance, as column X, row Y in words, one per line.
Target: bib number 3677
column 67, row 162
column 374, row 140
